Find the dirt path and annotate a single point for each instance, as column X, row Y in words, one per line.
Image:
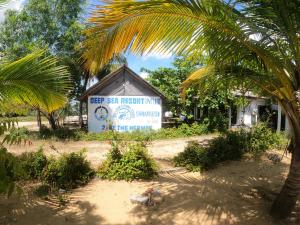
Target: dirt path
column 96, row 151
column 237, row 193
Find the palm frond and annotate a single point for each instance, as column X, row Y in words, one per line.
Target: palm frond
column 35, row 80
column 180, row 27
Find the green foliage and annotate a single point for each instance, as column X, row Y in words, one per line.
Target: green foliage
column 194, row 157
column 231, row 145
column 68, row 171
column 184, row 130
column 32, row 164
column 17, row 136
column 216, row 122
column 262, row 138
column 8, row 172
column 168, row 81
column 42, row 190
column 135, row 163
column 61, row 133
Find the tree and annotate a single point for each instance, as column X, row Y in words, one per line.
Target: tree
column 255, row 40
column 33, row 81
column 214, row 100
column 168, row 81
column 47, row 24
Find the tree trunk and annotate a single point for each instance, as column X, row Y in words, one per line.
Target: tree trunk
column 80, row 114
column 86, row 79
column 38, row 118
column 52, row 121
column 286, row 201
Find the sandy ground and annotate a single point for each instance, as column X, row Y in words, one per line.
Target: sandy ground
column 96, row 151
column 238, row 193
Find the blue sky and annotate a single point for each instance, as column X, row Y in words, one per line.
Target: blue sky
column 151, row 61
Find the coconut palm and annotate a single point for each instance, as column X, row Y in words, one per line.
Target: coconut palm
column 257, row 40
column 36, row 81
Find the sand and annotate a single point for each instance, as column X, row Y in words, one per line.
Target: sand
column 237, row 192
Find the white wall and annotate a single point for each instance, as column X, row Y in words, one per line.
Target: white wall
column 249, row 113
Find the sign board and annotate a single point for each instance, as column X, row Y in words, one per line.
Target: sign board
column 124, row 113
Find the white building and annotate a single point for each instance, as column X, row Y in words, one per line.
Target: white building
column 255, row 111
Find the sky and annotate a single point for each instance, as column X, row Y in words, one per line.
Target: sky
column 151, row 61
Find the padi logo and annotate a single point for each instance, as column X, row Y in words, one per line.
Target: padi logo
column 124, row 112
column 101, row 113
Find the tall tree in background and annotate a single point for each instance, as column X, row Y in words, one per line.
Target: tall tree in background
column 215, row 100
column 256, row 40
column 54, row 25
column 169, row 80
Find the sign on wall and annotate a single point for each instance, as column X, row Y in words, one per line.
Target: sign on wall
column 124, row 113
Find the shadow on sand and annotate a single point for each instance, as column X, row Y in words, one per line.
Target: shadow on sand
column 221, row 196
column 237, row 193
column 42, row 212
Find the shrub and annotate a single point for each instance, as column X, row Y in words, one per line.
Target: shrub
column 229, row 146
column 8, row 171
column 42, row 190
column 32, row 164
column 61, row 133
column 184, row 130
column 45, row 132
column 216, row 122
column 68, row 171
column 64, row 133
column 194, row 157
column 17, row 135
column 262, row 138
column 135, row 163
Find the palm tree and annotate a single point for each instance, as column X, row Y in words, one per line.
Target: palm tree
column 36, row 81
column 257, row 40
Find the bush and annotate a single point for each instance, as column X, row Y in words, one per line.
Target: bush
column 262, row 138
column 135, row 163
column 68, row 171
column 61, row 133
column 17, row 135
column 194, row 157
column 216, row 122
column 45, row 132
column 184, row 130
column 8, row 171
column 231, row 145
column 32, row 164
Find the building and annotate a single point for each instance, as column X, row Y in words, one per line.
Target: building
column 258, row 109
column 123, row 101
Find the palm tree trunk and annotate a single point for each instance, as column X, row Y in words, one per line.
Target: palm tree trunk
column 86, row 79
column 38, row 118
column 286, row 201
column 52, row 121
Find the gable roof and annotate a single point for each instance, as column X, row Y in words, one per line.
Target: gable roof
column 110, row 78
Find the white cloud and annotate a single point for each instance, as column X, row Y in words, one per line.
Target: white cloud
column 144, row 74
column 157, row 55
column 12, row 4
column 158, row 52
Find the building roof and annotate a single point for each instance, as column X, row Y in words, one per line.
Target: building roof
column 110, row 78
